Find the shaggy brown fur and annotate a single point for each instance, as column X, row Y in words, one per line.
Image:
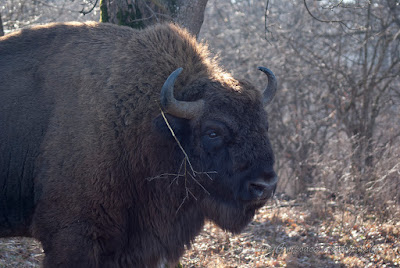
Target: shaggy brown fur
column 81, row 134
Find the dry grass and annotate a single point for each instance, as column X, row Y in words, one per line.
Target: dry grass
column 20, row 252
column 305, row 234
column 301, row 235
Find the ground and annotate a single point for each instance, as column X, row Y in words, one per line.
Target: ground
column 283, row 234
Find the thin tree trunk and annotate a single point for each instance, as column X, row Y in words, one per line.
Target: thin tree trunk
column 1, row 27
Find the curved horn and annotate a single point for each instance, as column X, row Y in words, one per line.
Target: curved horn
column 182, row 109
column 270, row 91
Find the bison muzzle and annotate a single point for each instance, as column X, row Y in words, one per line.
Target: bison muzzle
column 116, row 144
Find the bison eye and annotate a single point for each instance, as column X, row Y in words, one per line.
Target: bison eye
column 212, row 134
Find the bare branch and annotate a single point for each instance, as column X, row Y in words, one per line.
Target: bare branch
column 183, row 172
column 265, row 22
column 326, row 21
column 90, row 10
column 177, row 141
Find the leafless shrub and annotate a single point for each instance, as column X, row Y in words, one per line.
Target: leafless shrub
column 17, row 14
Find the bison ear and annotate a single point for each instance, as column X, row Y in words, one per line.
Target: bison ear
column 180, row 126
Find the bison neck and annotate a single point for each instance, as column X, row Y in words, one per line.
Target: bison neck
column 163, row 223
column 154, row 226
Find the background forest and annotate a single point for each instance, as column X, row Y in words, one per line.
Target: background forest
column 334, row 125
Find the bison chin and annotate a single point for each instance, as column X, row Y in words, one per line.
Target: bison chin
column 228, row 216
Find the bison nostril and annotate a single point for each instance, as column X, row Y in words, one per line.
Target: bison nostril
column 264, row 185
column 258, row 188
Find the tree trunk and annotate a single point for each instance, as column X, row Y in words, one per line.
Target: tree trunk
column 191, row 14
column 142, row 13
column 1, row 27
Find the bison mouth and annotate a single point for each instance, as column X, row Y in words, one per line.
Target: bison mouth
column 234, row 214
column 253, row 206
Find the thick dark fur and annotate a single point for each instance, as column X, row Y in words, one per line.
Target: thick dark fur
column 82, row 140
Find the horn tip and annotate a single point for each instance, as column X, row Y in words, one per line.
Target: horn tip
column 265, row 70
column 178, row 71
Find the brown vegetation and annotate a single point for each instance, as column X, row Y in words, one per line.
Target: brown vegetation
column 312, row 233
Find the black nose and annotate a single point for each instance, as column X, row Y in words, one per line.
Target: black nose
column 263, row 186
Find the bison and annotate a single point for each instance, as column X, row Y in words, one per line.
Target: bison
column 117, row 144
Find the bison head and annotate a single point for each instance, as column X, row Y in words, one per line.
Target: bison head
column 221, row 129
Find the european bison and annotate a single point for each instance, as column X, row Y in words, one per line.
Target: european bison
column 92, row 167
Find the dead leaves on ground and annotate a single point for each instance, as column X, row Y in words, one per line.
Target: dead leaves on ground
column 292, row 236
column 288, row 235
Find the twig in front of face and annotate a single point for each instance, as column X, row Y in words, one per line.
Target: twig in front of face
column 185, row 170
column 199, row 184
column 177, row 141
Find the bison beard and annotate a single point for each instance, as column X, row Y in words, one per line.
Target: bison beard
column 88, row 164
column 227, row 216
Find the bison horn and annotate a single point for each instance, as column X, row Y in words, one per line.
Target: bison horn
column 182, row 109
column 270, row 91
